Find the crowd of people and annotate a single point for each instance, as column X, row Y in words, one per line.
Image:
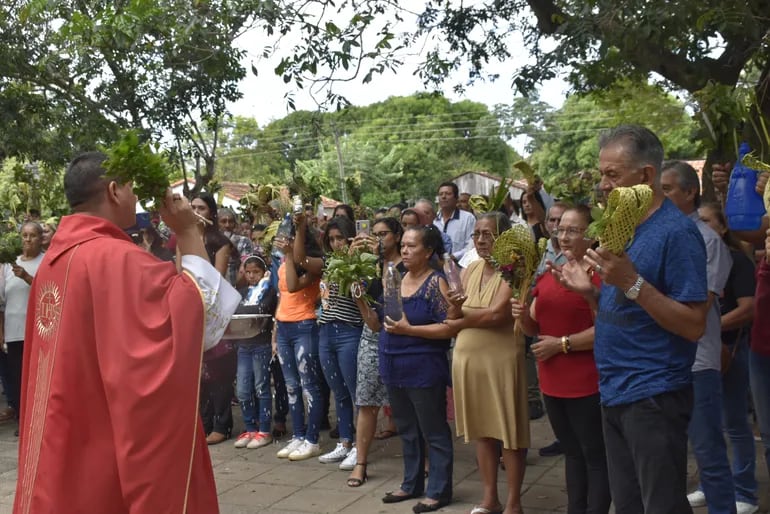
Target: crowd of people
column 631, row 356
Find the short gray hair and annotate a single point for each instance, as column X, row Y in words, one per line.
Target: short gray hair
column 226, row 211
column 34, row 224
column 427, row 202
column 502, row 222
column 642, row 145
column 687, row 177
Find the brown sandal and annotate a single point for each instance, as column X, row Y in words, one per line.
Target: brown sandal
column 358, row 482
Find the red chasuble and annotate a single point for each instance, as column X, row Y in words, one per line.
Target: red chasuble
column 112, row 358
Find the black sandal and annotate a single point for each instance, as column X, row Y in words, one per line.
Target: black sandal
column 421, row 507
column 358, row 482
column 395, row 498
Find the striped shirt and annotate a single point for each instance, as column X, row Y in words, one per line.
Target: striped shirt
column 338, row 308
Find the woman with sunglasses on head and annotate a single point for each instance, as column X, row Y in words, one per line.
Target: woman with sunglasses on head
column 219, row 363
column 371, row 393
column 569, row 380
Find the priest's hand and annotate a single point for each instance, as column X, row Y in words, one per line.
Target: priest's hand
column 178, row 214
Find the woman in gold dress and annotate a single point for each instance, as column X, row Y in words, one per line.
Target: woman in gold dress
column 488, row 376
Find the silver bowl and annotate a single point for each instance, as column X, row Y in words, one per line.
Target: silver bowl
column 245, row 326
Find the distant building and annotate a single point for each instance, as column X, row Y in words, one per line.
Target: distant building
column 481, row 183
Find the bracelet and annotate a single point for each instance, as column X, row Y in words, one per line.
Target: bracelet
column 565, row 346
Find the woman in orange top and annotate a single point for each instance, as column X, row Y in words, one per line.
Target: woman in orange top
column 297, row 344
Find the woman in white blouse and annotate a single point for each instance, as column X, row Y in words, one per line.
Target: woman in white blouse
column 18, row 277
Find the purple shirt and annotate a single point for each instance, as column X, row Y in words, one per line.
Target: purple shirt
column 409, row 361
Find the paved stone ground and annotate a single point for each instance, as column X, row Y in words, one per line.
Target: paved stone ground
column 256, row 482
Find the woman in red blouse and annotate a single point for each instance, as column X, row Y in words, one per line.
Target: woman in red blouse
column 567, row 371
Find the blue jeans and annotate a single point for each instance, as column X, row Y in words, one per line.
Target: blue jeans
column 735, row 387
column 338, row 348
column 708, row 443
column 420, row 416
column 298, row 353
column 759, row 366
column 253, row 386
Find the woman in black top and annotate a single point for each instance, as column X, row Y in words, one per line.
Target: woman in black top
column 219, row 363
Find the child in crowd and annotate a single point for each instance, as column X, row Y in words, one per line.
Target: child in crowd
column 254, row 356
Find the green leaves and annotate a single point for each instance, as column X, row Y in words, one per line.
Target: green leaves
column 345, row 269
column 130, row 160
column 10, row 246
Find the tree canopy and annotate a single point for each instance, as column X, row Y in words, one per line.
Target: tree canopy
column 73, row 73
column 390, row 151
column 704, row 47
column 563, row 141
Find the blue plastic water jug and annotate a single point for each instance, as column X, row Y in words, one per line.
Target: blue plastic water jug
column 744, row 207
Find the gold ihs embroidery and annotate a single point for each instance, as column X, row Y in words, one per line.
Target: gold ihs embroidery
column 48, row 310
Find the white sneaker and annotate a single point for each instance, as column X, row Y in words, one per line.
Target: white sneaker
column 337, row 454
column 292, row 445
column 305, row 451
column 259, row 440
column 350, row 461
column 745, row 508
column 244, row 439
column 696, row 498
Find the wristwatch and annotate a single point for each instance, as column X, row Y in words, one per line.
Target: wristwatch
column 633, row 292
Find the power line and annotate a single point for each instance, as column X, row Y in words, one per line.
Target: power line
column 298, row 143
column 413, row 140
column 468, row 123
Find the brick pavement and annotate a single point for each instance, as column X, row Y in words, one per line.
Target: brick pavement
column 256, row 482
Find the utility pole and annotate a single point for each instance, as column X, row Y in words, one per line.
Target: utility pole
column 343, row 189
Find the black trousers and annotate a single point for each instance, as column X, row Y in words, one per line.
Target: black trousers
column 281, row 396
column 14, row 360
column 216, row 407
column 646, row 445
column 577, row 424
column 217, row 394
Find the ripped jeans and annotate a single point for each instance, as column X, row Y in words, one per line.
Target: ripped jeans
column 298, row 354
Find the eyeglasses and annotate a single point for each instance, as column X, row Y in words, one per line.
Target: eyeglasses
column 382, row 234
column 569, row 231
column 554, row 220
column 489, row 236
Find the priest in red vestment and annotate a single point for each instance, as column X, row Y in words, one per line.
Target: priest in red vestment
column 109, row 418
